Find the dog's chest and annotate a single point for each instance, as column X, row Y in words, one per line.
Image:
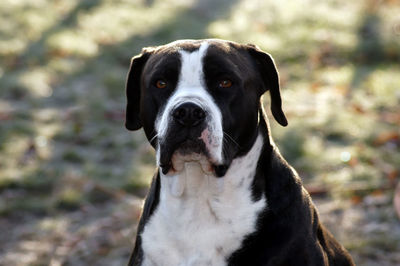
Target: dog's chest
column 209, row 219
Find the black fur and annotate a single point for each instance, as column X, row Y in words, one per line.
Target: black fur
column 148, row 209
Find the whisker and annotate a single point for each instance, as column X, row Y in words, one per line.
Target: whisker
column 153, row 138
column 231, row 139
column 224, row 151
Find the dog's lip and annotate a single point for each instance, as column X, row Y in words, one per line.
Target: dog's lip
column 176, row 163
column 190, row 148
column 219, row 170
column 179, row 160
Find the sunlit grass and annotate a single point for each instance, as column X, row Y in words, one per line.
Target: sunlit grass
column 286, row 30
column 384, row 86
column 65, row 62
column 63, row 146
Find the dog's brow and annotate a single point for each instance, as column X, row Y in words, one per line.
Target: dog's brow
column 192, row 66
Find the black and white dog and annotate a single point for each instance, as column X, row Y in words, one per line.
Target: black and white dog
column 222, row 195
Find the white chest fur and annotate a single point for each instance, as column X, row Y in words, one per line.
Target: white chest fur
column 208, row 221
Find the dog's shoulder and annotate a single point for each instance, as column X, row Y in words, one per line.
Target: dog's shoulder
column 289, row 231
column 150, row 205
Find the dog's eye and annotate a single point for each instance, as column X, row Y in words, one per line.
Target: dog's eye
column 161, row 84
column 226, row 83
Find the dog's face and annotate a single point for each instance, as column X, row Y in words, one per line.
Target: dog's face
column 200, row 101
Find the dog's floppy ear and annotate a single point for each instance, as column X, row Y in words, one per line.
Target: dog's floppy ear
column 133, row 84
column 269, row 74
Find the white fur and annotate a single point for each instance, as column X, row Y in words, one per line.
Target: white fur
column 191, row 88
column 208, row 219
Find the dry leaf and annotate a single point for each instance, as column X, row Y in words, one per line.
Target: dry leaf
column 355, row 199
column 386, row 136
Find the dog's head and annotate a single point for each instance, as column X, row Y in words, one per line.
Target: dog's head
column 199, row 100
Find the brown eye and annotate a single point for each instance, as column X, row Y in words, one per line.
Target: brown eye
column 161, row 84
column 226, row 83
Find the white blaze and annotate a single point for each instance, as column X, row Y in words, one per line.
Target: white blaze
column 191, row 88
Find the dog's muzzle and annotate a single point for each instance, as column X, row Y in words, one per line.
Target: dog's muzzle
column 190, row 137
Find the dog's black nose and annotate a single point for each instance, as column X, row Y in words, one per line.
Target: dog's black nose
column 188, row 114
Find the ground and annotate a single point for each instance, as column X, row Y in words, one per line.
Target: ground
column 72, row 178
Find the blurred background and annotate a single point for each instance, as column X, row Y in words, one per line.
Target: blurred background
column 72, row 178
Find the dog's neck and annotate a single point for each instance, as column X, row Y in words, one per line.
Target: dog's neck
column 192, row 181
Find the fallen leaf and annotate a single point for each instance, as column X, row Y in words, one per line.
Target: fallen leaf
column 355, row 199
column 392, row 175
column 386, row 136
column 358, row 108
column 315, row 87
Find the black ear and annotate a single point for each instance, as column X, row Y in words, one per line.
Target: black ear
column 269, row 74
column 133, row 84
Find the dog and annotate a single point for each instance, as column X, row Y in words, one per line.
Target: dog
column 222, row 193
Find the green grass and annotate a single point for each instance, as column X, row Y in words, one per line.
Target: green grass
column 62, row 97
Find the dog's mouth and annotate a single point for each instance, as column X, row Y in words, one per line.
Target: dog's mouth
column 174, row 156
column 190, row 163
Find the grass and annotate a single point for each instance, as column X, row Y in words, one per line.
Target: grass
column 63, row 146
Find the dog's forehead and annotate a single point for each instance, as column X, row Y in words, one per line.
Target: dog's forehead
column 215, row 47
